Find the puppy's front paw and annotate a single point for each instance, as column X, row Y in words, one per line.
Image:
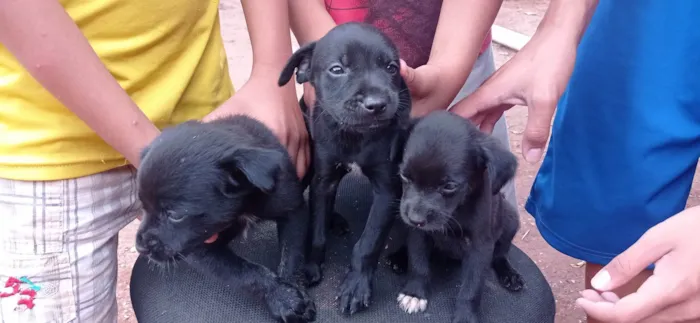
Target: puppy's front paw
column 465, row 314
column 287, row 303
column 398, row 261
column 509, row 278
column 355, row 293
column 314, row 274
column 512, row 281
column 339, row 226
column 414, row 296
column 411, row 304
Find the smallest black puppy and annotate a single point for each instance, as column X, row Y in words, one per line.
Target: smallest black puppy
column 203, row 184
column 452, row 174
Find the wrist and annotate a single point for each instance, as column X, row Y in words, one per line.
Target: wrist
column 567, row 22
column 451, row 79
column 142, row 135
column 268, row 75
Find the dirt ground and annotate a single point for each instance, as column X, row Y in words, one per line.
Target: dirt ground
column 563, row 273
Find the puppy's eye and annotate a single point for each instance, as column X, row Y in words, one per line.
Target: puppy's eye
column 174, row 216
column 449, row 188
column 336, row 70
column 392, row 68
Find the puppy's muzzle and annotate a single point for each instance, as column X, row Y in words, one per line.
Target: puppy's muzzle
column 373, row 104
column 413, row 218
column 149, row 245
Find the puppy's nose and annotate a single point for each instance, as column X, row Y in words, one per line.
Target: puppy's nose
column 417, row 220
column 374, row 104
column 146, row 244
column 418, row 223
column 141, row 249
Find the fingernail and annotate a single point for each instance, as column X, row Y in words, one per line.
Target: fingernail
column 601, row 280
column 533, row 155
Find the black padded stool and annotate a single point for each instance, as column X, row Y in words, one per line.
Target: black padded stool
column 182, row 295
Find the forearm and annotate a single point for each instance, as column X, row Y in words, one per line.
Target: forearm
column 460, row 34
column 567, row 20
column 268, row 29
column 309, row 20
column 46, row 41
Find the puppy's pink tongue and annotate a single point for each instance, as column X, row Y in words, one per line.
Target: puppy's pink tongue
column 212, row 238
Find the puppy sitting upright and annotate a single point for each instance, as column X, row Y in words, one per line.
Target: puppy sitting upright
column 202, row 184
column 362, row 105
column 452, row 174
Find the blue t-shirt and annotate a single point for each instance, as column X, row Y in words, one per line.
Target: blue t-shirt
column 626, row 136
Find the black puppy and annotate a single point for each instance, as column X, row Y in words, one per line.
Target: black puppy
column 452, row 174
column 362, row 105
column 209, row 181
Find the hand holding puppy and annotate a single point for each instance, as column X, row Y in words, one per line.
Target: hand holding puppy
column 424, row 84
column 535, row 77
column 278, row 108
column 671, row 294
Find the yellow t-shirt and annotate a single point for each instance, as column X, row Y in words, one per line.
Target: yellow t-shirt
column 168, row 55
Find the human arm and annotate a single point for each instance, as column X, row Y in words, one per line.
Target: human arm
column 310, row 21
column 48, row 43
column 535, row 77
column 261, row 97
column 671, row 294
column 434, row 85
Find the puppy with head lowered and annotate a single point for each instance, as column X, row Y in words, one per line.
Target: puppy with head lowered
column 203, row 184
column 362, row 104
column 452, row 175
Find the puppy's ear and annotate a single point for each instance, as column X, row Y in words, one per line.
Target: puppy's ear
column 301, row 61
column 500, row 162
column 259, row 166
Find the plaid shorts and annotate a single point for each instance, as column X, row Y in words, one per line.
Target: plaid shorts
column 60, row 237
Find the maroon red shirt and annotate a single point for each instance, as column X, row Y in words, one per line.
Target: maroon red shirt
column 411, row 24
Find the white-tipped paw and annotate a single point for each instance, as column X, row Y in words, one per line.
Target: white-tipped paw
column 410, row 304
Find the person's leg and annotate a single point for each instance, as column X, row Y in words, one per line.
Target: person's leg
column 625, row 138
column 62, row 235
column 483, row 68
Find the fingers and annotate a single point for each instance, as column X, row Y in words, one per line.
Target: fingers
column 595, row 296
column 302, row 160
column 412, row 82
column 537, row 128
column 647, row 250
column 299, row 148
column 653, row 296
column 592, row 295
column 408, row 73
column 309, row 95
column 489, row 120
column 482, row 108
column 293, row 147
column 688, row 311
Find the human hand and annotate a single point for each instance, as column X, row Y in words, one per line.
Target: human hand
column 427, row 88
column 535, row 77
column 671, row 294
column 309, row 95
column 276, row 107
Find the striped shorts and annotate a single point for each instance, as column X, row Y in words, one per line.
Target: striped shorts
column 59, row 240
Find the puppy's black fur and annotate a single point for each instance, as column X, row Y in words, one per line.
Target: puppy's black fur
column 362, row 105
column 452, row 175
column 200, row 179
